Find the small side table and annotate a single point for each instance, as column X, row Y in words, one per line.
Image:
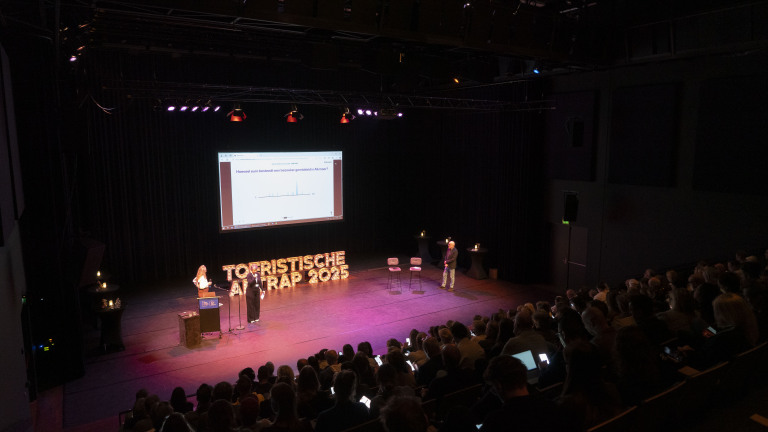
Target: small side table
column 423, row 241
column 111, row 329
column 476, row 270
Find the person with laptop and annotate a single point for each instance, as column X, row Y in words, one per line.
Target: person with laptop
column 508, row 378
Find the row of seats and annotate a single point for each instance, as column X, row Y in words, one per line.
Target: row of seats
column 686, row 401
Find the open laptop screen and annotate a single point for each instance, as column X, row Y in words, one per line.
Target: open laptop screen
column 527, row 358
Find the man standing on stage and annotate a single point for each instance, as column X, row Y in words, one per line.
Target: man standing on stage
column 253, row 295
column 450, row 264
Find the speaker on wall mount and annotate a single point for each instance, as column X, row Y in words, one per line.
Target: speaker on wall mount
column 570, row 206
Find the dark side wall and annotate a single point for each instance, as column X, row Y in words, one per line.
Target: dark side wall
column 670, row 167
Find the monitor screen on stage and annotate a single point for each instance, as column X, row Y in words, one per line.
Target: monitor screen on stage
column 259, row 190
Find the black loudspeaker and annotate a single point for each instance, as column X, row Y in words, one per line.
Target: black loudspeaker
column 570, row 206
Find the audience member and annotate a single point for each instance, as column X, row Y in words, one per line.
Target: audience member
column 641, row 307
column 283, row 401
column 637, row 370
column 264, row 384
column 586, row 398
column 736, row 332
column 416, row 354
column 526, row 338
column 221, row 417
column 311, row 400
column 428, row 371
column 179, row 401
column 471, row 351
column 346, row 412
column 327, row 374
column 455, row 378
column 404, row 414
column 248, row 414
column 570, row 329
column 603, row 335
column 508, row 379
column 404, row 375
column 176, row 422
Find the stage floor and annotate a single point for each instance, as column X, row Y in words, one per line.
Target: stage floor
column 295, row 323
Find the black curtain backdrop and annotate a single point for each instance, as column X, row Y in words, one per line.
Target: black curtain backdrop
column 148, row 186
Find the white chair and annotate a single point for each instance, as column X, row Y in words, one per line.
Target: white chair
column 415, row 268
column 394, row 273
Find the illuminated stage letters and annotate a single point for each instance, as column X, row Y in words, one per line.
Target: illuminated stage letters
column 287, row 272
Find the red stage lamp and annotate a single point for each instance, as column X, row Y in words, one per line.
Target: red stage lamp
column 237, row 114
column 293, row 115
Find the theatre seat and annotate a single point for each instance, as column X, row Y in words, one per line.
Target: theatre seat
column 415, row 268
column 394, row 273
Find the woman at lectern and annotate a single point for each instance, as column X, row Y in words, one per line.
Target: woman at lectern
column 253, row 295
column 201, row 281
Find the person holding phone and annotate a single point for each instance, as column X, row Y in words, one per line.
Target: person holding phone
column 451, row 254
column 346, row 412
column 509, row 379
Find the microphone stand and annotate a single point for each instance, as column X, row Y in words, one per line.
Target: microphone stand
column 229, row 306
column 239, row 315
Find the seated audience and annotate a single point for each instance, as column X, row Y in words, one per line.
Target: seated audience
column 327, row 374
column 179, row 401
column 404, row 414
column 642, row 310
column 248, row 414
column 637, row 369
column 526, row 338
column 311, row 400
column 603, row 335
column 221, row 417
column 508, row 378
column 586, row 398
column 176, row 423
column 404, row 376
column 470, row 350
column 736, row 332
column 428, row 371
column 346, row 412
column 570, row 329
column 283, row 401
column 454, row 377
column 263, row 383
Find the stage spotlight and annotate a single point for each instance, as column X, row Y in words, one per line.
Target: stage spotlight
column 171, row 108
column 360, row 111
column 217, row 108
column 237, row 114
column 367, row 112
column 346, row 116
column 195, row 108
column 205, row 108
column 536, row 70
column 293, row 116
column 456, row 80
column 183, row 108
